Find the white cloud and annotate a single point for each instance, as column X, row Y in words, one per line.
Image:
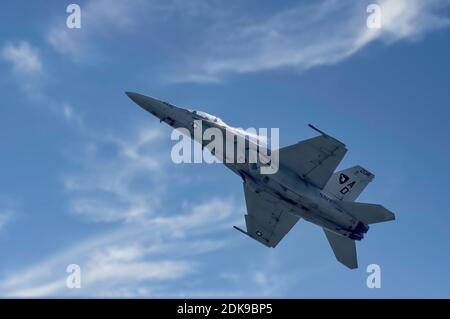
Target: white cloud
column 151, row 248
column 63, row 42
column 5, row 218
column 144, row 259
column 218, row 210
column 99, row 19
column 271, row 279
column 67, row 111
column 8, row 211
column 224, row 39
column 115, row 188
column 130, row 184
column 24, row 58
column 265, row 276
column 405, row 19
column 305, row 35
column 29, row 74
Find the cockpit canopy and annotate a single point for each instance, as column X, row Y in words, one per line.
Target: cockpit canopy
column 209, row 117
column 252, row 135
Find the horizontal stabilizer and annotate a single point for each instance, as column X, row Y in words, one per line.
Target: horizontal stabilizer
column 367, row 213
column 343, row 248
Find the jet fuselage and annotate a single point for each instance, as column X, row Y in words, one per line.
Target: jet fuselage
column 299, row 197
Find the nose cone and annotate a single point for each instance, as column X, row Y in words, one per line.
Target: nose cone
column 133, row 96
column 149, row 104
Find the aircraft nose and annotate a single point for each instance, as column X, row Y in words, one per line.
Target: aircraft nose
column 130, row 94
column 136, row 97
column 149, row 104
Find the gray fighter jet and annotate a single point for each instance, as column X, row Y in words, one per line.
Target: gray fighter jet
column 304, row 186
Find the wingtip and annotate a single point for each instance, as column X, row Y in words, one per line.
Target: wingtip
column 324, row 134
column 241, row 230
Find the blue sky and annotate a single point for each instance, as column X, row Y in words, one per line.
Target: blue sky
column 86, row 175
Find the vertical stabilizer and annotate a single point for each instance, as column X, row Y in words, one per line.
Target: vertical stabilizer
column 348, row 184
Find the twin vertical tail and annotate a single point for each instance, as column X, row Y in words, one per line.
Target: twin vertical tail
column 345, row 186
column 348, row 184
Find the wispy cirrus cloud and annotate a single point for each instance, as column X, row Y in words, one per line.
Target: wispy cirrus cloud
column 140, row 260
column 152, row 248
column 6, row 216
column 224, row 40
column 115, row 187
column 24, row 58
column 8, row 211
column 26, row 65
column 307, row 35
column 99, row 19
column 29, row 74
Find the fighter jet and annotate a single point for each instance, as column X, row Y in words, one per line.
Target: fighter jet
column 304, row 186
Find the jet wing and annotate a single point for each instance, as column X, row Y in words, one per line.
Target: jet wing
column 314, row 159
column 267, row 221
